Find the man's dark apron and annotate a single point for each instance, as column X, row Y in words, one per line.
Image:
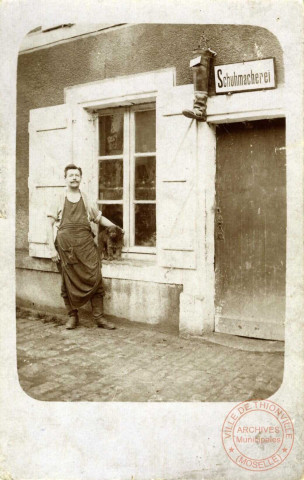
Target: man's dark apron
column 79, row 259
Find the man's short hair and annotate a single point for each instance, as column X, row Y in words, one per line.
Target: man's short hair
column 71, row 166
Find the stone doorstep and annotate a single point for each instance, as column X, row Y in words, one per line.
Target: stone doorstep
column 241, row 343
column 230, row 341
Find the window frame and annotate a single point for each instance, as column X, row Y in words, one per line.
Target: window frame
column 128, row 156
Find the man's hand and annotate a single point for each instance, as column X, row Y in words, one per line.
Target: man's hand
column 54, row 256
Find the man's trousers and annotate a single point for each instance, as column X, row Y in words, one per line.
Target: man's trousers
column 96, row 301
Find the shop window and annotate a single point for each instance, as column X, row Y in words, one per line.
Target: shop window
column 127, row 173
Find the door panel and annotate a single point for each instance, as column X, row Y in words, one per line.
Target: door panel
column 250, row 228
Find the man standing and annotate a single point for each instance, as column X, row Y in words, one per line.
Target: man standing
column 74, row 249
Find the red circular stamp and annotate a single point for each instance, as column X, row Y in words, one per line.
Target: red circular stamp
column 258, row 435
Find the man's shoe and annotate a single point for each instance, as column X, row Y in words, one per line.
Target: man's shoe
column 72, row 323
column 102, row 323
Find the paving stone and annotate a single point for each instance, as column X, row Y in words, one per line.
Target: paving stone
column 137, row 363
column 39, row 390
column 25, row 385
column 29, row 370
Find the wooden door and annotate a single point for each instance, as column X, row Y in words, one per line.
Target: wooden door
column 250, row 229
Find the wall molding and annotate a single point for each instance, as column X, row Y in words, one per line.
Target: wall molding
column 237, row 107
column 124, row 90
column 45, row 39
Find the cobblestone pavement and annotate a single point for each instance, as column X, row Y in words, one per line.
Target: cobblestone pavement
column 136, row 363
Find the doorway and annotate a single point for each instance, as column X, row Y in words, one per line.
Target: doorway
column 250, row 229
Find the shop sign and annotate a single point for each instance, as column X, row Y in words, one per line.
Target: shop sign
column 244, row 76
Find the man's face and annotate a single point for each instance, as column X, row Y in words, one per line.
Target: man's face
column 73, row 178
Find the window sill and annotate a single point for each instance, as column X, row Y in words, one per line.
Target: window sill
column 143, row 269
column 126, row 261
column 23, row 261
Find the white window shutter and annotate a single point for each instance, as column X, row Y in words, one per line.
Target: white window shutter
column 176, row 177
column 50, row 150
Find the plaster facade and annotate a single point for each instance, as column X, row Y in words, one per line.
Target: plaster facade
column 49, row 76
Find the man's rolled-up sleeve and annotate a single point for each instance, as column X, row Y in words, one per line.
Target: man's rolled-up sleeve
column 95, row 213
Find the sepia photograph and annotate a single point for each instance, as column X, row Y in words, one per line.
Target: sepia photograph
column 151, row 221
column 154, row 207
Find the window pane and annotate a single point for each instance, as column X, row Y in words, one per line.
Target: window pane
column 145, row 225
column 111, row 134
column 145, row 131
column 110, row 180
column 145, row 178
column 113, row 213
